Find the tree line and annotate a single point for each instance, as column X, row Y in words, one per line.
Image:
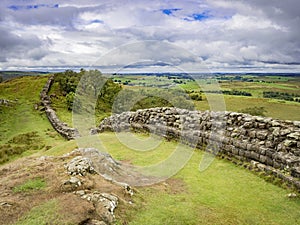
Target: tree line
column 282, row 96
column 225, row 92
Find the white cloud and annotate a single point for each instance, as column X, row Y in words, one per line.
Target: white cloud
column 226, row 35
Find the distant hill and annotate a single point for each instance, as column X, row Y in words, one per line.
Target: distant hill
column 7, row 75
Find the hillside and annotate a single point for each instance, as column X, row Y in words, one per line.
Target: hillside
column 35, row 187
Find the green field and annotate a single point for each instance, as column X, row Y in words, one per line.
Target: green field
column 279, row 109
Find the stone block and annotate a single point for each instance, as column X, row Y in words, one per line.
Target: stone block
column 262, row 135
column 262, row 158
column 254, row 155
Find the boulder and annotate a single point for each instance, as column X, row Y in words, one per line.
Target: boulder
column 80, row 166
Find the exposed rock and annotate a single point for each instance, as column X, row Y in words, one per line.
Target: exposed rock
column 292, row 195
column 295, row 172
column 295, row 135
column 105, row 204
column 93, row 222
column 6, row 102
column 80, row 166
column 128, row 190
column 5, row 204
column 72, row 184
column 112, row 170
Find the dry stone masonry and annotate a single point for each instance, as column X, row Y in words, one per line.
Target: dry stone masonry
column 61, row 127
column 271, row 145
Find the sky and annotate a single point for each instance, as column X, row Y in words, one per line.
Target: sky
column 143, row 35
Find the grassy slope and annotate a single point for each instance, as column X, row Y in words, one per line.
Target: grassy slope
column 22, row 118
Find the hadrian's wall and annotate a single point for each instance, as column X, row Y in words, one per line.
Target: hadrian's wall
column 271, row 145
column 61, row 127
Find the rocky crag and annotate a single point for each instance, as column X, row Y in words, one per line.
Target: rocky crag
column 271, row 145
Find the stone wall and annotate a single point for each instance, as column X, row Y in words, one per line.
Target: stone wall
column 61, row 127
column 271, row 145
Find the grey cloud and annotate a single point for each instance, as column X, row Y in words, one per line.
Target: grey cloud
column 282, row 44
column 215, row 40
column 27, row 46
column 47, row 16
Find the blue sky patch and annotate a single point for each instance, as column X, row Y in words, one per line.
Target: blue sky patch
column 96, row 21
column 198, row 16
column 169, row 11
column 22, row 7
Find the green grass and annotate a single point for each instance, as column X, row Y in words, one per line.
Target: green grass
column 46, row 213
column 31, row 185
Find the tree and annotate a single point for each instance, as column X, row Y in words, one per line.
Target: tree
column 196, row 97
column 70, row 99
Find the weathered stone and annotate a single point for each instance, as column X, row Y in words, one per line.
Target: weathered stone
column 295, row 135
column 292, row 195
column 269, row 161
column 262, row 135
column 71, row 184
column 296, row 123
column 80, row 192
column 262, row 158
column 276, row 131
column 275, row 123
column 248, row 125
column 75, row 180
column 285, row 132
column 289, row 143
column 6, row 204
column 295, row 172
column 269, row 144
column 80, row 165
column 254, row 155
